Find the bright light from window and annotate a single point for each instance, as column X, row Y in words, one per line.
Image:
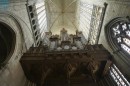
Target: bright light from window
column 126, row 48
column 127, row 41
column 90, row 20
column 128, row 33
column 40, row 9
column 41, row 17
column 118, row 76
column 39, row 5
column 85, row 18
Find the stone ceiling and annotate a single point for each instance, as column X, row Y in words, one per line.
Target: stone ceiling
column 62, row 14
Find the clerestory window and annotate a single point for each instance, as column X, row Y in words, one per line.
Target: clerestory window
column 90, row 16
column 38, row 19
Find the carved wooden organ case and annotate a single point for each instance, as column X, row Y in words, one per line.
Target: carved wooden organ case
column 66, row 59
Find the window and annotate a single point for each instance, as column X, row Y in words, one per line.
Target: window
column 38, row 21
column 90, row 19
column 118, row 76
column 121, row 33
column 118, row 35
column 41, row 17
column 85, row 18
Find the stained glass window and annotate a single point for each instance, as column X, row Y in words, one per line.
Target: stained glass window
column 121, row 35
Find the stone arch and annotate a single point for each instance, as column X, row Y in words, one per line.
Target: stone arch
column 7, row 42
column 14, row 29
column 112, row 39
column 11, row 70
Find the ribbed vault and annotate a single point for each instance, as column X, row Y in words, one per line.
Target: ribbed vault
column 62, row 14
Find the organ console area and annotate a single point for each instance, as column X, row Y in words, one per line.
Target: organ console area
column 66, row 60
column 64, row 41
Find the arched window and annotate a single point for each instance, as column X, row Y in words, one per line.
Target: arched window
column 118, row 35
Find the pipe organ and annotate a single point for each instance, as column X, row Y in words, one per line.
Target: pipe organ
column 68, row 61
column 65, row 41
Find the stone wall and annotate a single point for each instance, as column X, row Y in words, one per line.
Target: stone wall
column 16, row 16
